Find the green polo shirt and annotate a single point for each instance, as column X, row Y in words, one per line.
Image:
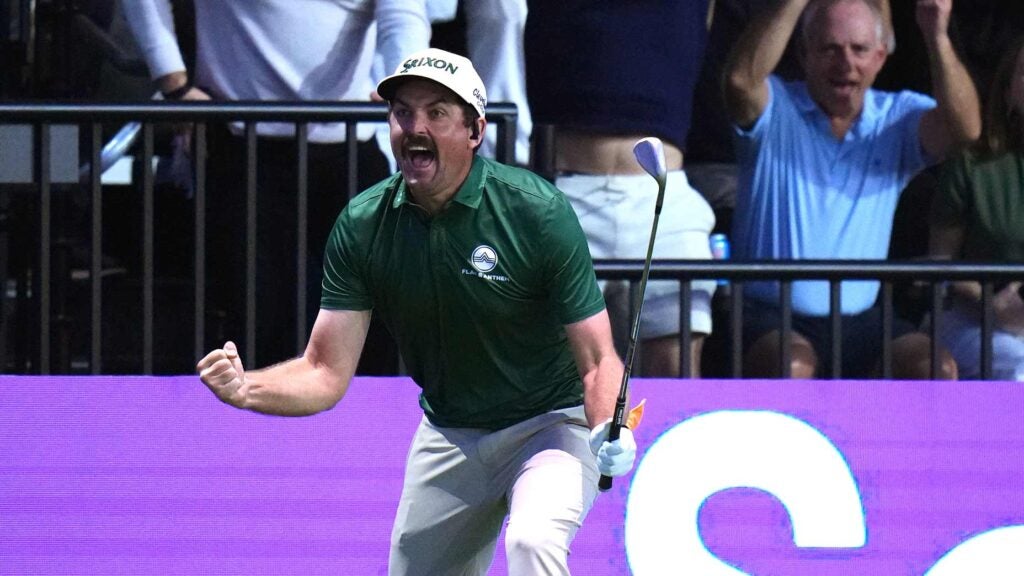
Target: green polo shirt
column 985, row 194
column 475, row 296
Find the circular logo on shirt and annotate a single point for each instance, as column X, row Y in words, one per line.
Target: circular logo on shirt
column 484, row 258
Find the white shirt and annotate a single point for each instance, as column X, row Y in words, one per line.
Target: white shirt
column 284, row 49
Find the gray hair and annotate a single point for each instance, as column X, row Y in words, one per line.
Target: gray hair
column 813, row 11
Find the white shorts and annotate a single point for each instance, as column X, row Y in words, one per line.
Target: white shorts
column 617, row 212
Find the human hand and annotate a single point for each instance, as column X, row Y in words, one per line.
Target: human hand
column 175, row 87
column 613, row 458
column 1008, row 307
column 196, row 94
column 183, row 130
column 222, row 372
column 933, row 18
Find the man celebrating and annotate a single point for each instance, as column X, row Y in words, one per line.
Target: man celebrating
column 821, row 167
column 481, row 272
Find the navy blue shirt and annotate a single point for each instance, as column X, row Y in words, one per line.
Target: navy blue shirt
column 615, row 66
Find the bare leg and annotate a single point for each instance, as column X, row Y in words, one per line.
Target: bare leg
column 762, row 359
column 912, row 359
column 660, row 357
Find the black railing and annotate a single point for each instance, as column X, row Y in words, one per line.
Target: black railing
column 37, row 323
column 924, row 274
column 50, row 323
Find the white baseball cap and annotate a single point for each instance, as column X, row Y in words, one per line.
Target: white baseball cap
column 450, row 70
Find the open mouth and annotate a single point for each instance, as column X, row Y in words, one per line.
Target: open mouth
column 843, row 86
column 420, row 155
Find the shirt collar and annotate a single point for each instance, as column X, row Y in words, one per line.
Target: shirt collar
column 469, row 193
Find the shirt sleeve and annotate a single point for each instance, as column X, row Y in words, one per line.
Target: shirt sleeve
column 402, row 28
column 152, row 25
column 573, row 285
column 344, row 284
column 748, row 141
column 910, row 108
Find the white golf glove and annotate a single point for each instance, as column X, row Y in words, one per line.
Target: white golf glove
column 613, row 458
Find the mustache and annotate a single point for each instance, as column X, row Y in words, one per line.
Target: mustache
column 417, row 140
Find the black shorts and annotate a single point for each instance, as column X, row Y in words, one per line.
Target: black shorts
column 861, row 335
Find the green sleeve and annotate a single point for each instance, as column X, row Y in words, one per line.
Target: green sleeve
column 344, row 285
column 573, row 284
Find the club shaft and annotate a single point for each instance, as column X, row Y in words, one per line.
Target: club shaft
column 619, row 416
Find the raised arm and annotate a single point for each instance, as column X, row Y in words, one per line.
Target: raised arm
column 311, row 383
column 956, row 121
column 753, row 58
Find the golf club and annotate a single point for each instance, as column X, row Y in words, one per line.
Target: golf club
column 650, row 154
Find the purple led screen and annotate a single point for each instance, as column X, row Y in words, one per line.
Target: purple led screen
column 141, row 475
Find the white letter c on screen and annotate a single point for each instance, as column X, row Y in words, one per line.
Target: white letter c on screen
column 998, row 552
column 712, row 452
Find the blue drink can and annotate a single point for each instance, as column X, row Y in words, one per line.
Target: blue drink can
column 720, row 251
column 719, row 246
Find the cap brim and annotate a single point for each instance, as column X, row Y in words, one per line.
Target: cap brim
column 387, row 87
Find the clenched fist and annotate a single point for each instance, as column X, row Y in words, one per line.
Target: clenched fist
column 222, row 372
column 933, row 18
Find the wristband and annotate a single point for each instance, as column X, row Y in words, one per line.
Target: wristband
column 178, row 92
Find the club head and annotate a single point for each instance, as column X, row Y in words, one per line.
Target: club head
column 650, row 154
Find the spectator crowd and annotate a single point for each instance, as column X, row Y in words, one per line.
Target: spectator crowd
column 801, row 129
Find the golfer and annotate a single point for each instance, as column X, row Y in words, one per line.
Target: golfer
column 482, row 274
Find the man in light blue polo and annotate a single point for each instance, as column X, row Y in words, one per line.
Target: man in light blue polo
column 821, row 166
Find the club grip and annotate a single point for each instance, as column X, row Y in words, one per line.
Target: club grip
column 605, row 483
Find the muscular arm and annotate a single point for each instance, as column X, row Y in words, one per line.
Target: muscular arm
column 956, row 121
column 753, row 58
column 311, row 383
column 599, row 365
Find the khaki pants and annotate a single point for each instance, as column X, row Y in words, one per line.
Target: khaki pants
column 460, row 484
